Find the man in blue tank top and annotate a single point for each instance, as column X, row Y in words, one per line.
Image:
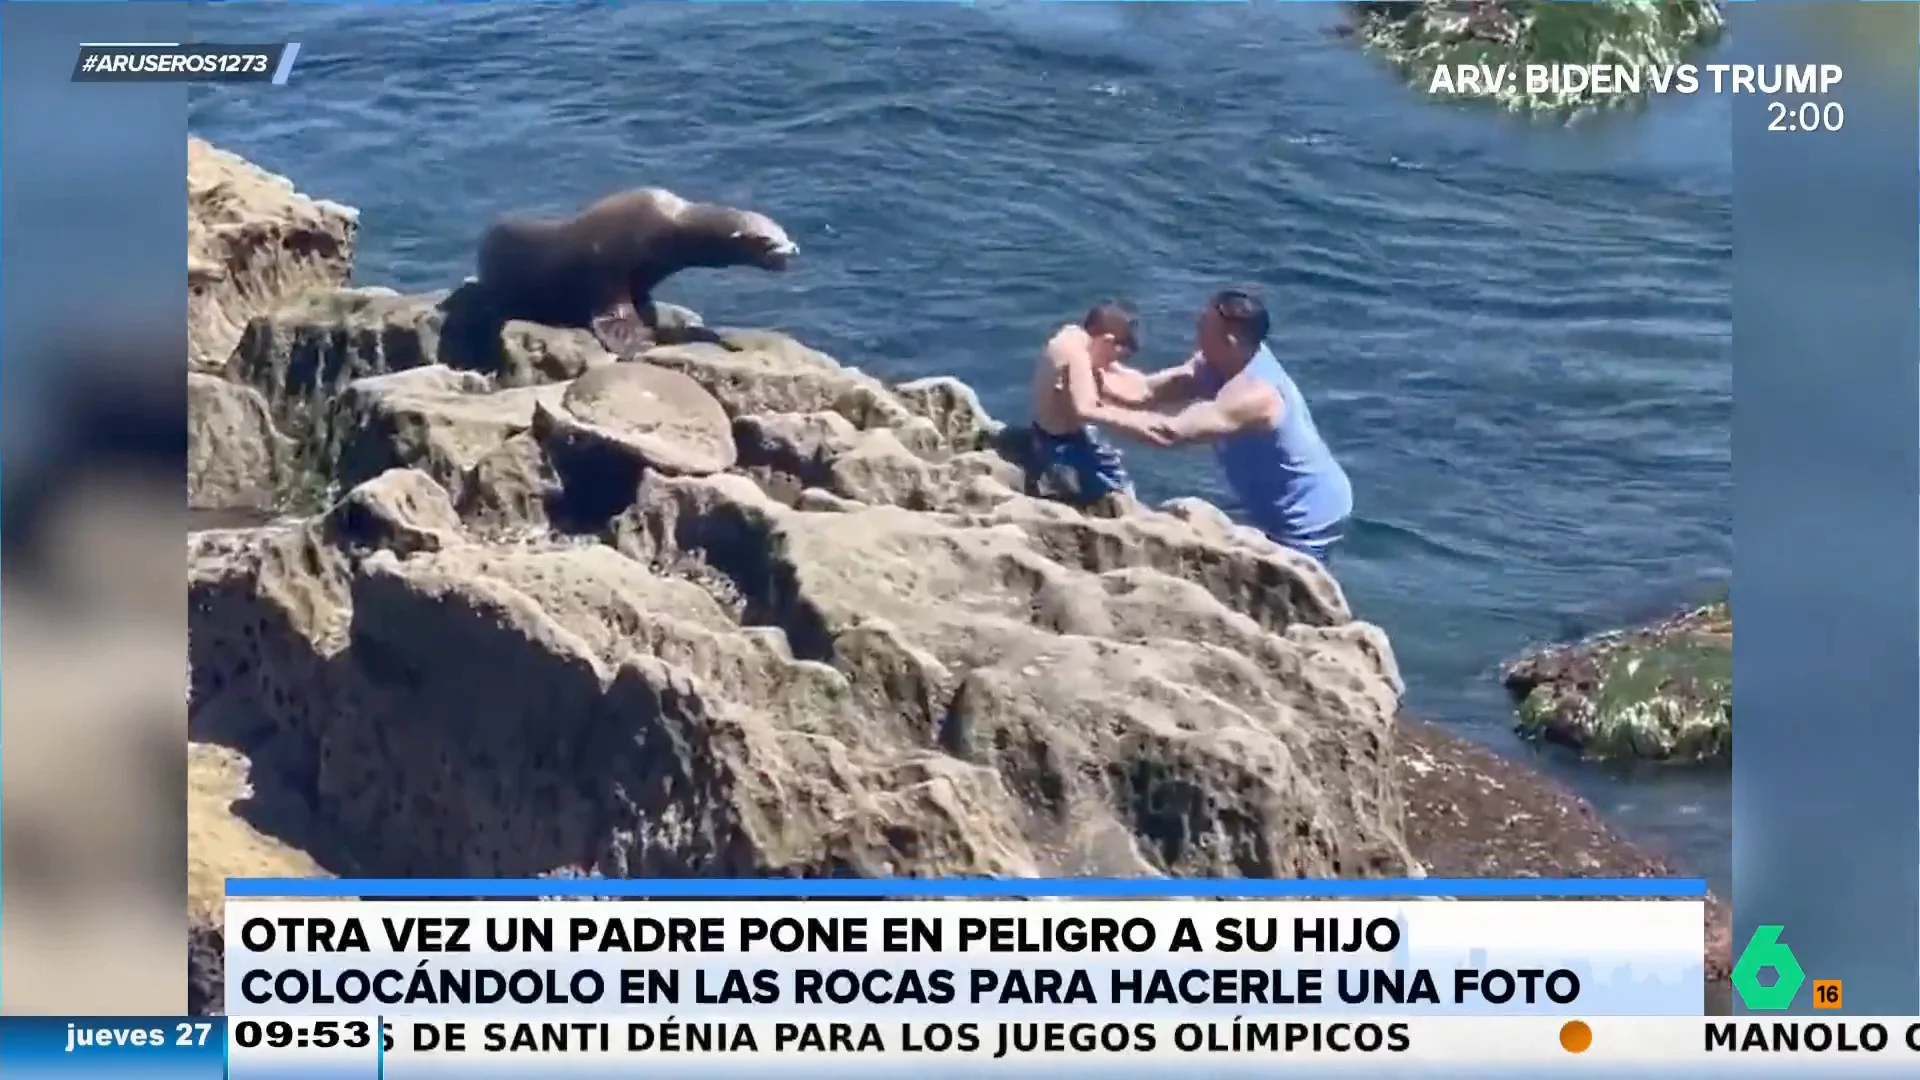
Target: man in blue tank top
column 1234, row 394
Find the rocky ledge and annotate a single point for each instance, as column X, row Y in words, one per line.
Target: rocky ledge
column 1418, row 37
column 1661, row 692
column 738, row 609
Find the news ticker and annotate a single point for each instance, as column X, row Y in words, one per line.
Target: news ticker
column 1064, row 1043
column 173, row 62
column 762, row 983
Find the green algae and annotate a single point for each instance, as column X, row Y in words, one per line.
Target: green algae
column 1417, row 38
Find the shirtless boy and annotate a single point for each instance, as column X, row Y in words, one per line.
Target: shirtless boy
column 1080, row 367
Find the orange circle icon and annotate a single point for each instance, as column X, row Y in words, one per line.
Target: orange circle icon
column 1575, row 1036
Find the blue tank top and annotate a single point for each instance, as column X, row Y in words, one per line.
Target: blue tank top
column 1287, row 481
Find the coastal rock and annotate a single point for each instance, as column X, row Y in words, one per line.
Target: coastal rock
column 304, row 353
column 229, row 834
column 897, row 693
column 801, row 447
column 615, row 424
column 513, row 489
column 1419, row 38
column 434, row 418
column 953, row 409
column 653, row 417
column 367, row 379
column 789, row 452
column 1662, row 692
column 401, row 510
column 223, row 839
column 766, row 375
column 235, row 457
column 252, row 241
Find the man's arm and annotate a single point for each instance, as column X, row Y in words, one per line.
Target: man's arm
column 1251, row 408
column 1172, row 386
column 1136, row 423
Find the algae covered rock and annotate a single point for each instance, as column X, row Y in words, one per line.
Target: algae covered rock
column 1662, row 692
column 1418, row 38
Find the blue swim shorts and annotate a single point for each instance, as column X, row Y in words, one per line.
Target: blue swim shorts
column 1081, row 468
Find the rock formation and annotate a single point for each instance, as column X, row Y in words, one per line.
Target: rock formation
column 1661, row 692
column 252, row 243
column 1421, row 36
column 738, row 609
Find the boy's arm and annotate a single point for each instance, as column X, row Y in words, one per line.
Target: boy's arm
column 1172, row 386
column 1068, row 351
column 1148, row 427
column 1142, row 424
column 1124, row 386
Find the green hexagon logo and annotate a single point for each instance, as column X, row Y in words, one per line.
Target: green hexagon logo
column 1764, row 951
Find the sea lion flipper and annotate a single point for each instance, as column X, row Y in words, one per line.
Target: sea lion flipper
column 621, row 331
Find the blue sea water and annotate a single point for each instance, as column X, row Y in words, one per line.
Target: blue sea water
column 1517, row 336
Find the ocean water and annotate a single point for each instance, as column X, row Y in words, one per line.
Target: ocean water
column 1517, row 336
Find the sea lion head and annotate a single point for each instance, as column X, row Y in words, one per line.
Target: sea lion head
column 761, row 241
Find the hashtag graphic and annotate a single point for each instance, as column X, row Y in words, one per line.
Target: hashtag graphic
column 160, row 61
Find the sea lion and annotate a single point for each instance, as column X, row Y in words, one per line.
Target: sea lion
column 597, row 270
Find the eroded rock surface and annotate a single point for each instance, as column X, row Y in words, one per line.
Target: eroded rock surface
column 872, row 691
column 252, row 241
column 432, row 418
column 628, row 419
column 236, row 459
column 233, row 830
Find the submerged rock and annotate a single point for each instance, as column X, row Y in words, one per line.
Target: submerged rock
column 1418, row 38
column 1662, row 692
